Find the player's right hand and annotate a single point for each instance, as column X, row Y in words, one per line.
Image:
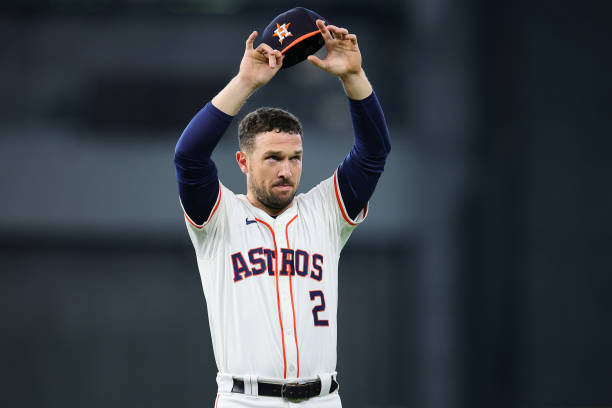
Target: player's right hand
column 259, row 64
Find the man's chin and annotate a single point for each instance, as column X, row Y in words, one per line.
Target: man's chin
column 280, row 199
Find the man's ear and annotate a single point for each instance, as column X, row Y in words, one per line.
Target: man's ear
column 241, row 158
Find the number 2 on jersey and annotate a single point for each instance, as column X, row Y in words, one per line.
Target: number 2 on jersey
column 318, row 308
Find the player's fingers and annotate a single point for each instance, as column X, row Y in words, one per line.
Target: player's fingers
column 265, row 49
column 333, row 30
column 279, row 57
column 274, row 56
column 345, row 34
column 316, row 61
column 352, row 38
column 249, row 41
column 342, row 31
column 338, row 32
column 324, row 31
column 272, row 60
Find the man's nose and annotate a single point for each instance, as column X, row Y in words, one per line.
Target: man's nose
column 285, row 169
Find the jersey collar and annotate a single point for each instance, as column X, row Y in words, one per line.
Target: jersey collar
column 285, row 216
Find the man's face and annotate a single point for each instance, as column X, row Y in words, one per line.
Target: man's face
column 274, row 169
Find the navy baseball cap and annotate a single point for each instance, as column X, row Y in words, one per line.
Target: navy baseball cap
column 295, row 34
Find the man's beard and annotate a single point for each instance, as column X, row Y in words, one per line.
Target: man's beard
column 268, row 199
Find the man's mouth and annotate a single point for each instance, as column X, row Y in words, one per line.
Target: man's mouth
column 283, row 185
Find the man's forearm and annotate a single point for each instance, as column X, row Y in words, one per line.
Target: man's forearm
column 233, row 96
column 358, row 174
column 356, row 86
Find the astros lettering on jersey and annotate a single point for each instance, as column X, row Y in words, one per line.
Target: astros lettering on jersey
column 271, row 284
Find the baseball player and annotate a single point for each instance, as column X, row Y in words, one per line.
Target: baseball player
column 268, row 260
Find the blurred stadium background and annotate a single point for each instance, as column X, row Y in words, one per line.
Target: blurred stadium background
column 483, row 276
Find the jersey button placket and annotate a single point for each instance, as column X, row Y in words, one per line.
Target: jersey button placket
column 287, row 311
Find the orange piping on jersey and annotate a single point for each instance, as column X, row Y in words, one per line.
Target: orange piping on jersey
column 297, row 349
column 209, row 217
column 297, row 40
column 341, row 205
column 280, row 317
column 217, row 401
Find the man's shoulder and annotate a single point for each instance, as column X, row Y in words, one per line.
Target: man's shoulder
column 237, row 199
column 321, row 185
column 317, row 193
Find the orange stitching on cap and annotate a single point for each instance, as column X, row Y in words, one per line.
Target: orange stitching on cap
column 297, row 40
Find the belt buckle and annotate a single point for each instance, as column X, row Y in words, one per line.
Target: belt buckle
column 295, row 391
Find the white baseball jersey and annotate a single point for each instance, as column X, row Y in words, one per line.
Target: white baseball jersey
column 271, row 284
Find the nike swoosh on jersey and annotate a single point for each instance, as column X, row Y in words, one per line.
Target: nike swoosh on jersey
column 249, row 221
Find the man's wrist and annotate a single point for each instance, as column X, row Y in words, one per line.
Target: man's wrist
column 245, row 84
column 234, row 95
column 353, row 76
column 356, row 85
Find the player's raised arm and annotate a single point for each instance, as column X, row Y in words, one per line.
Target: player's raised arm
column 358, row 174
column 195, row 171
column 343, row 60
column 257, row 67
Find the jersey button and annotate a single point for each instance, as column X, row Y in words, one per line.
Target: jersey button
column 292, row 368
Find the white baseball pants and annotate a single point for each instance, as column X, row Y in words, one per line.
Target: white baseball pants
column 233, row 400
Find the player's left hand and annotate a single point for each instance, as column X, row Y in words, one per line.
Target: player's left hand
column 343, row 56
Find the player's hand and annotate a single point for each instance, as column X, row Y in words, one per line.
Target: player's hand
column 343, row 56
column 259, row 64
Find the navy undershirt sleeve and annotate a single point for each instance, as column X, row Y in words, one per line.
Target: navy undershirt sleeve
column 358, row 174
column 196, row 173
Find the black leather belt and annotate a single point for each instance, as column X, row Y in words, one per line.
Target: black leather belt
column 288, row 390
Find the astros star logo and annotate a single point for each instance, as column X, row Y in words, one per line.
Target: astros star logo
column 282, row 32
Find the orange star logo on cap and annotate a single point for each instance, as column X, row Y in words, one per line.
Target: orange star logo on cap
column 282, row 32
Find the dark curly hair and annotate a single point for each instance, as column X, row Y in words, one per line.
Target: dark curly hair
column 264, row 120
